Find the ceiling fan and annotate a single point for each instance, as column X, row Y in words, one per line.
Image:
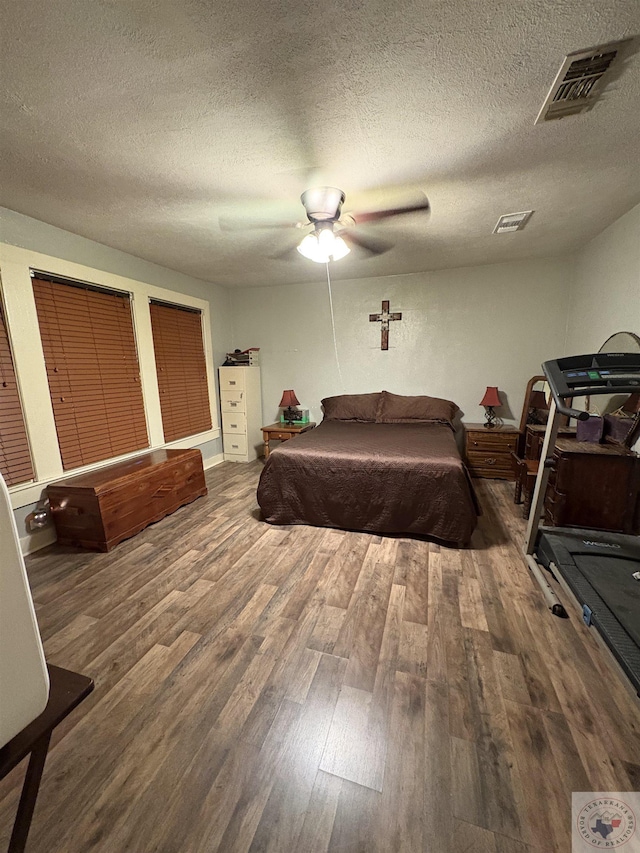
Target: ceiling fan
column 332, row 234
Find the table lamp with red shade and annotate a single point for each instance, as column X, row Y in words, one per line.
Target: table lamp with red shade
column 490, row 401
column 289, row 402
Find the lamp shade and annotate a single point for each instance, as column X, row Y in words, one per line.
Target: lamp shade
column 491, row 397
column 289, row 399
column 537, row 400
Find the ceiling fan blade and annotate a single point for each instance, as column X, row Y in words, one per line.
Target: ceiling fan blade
column 259, row 213
column 374, row 215
column 232, row 223
column 289, row 250
column 371, row 245
column 289, row 254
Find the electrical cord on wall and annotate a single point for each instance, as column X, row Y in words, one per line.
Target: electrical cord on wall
column 333, row 329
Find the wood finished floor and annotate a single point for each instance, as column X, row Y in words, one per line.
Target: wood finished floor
column 300, row 689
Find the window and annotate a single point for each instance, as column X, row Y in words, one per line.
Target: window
column 15, row 458
column 181, row 368
column 92, row 367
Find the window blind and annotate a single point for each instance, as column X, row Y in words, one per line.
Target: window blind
column 181, row 368
column 15, row 458
column 92, row 368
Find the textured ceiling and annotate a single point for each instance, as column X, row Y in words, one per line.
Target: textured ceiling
column 137, row 123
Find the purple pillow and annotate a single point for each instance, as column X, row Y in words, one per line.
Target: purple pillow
column 398, row 409
column 352, row 407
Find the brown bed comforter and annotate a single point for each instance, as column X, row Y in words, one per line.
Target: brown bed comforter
column 382, row 478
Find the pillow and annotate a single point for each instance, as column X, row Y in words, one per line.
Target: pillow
column 396, row 409
column 352, row 407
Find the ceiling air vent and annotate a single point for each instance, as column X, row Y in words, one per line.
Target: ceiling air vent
column 581, row 78
column 512, row 222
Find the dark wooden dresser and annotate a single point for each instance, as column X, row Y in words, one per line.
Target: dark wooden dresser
column 99, row 509
column 593, row 485
column 488, row 451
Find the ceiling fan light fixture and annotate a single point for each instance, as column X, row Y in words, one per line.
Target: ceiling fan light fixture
column 340, row 249
column 310, row 248
column 323, row 246
column 322, row 204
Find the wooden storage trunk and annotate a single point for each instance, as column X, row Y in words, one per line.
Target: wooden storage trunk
column 101, row 508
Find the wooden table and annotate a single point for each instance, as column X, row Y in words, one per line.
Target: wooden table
column 282, row 432
column 67, row 689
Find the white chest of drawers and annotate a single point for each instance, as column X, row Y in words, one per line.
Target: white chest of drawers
column 241, row 404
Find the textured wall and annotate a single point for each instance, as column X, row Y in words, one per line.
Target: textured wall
column 605, row 293
column 461, row 330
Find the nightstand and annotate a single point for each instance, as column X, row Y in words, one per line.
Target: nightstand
column 488, row 451
column 282, row 432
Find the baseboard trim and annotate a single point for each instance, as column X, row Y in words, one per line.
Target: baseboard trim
column 37, row 540
column 212, row 461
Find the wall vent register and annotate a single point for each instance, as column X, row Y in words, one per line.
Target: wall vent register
column 512, row 222
column 581, row 79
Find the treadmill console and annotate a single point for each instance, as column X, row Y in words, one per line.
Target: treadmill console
column 599, row 373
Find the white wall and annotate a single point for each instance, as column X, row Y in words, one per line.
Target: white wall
column 461, row 330
column 605, row 290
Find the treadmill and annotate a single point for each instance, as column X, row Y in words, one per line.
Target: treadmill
column 600, row 570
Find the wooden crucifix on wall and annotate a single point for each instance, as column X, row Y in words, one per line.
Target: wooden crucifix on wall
column 384, row 318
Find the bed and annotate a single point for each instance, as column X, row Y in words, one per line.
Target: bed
column 381, row 463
